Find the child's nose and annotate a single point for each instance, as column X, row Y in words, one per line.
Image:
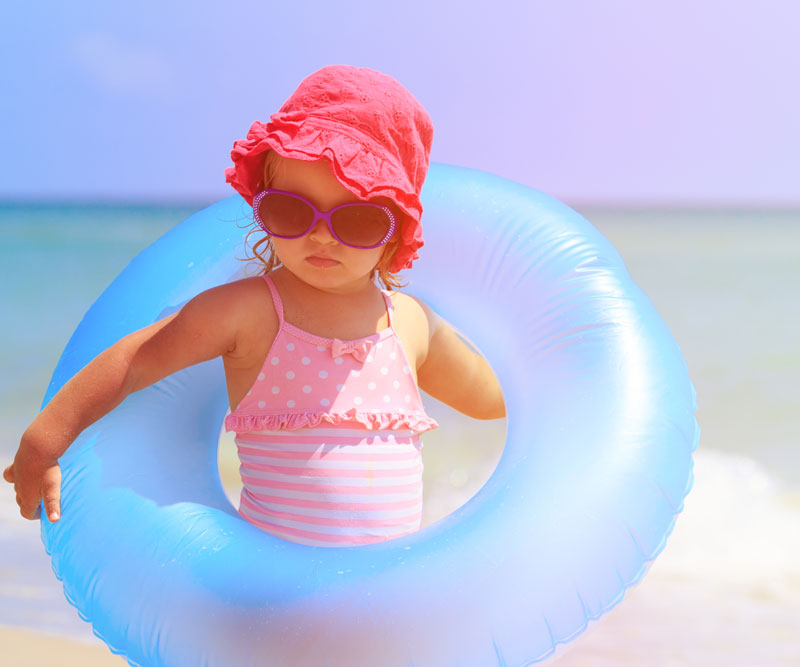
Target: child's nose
column 321, row 233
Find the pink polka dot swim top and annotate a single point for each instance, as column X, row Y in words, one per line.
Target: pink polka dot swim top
column 328, row 438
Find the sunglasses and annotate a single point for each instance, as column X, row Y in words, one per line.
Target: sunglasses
column 290, row 216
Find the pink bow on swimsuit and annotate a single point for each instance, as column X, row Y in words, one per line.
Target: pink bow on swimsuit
column 358, row 348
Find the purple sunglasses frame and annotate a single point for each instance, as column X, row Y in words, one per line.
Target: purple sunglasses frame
column 326, row 216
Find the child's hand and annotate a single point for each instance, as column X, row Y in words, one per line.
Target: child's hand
column 36, row 477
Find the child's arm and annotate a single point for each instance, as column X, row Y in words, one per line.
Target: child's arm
column 457, row 375
column 205, row 328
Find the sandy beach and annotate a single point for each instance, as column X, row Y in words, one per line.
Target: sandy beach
column 25, row 648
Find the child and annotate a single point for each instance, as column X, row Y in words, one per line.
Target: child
column 321, row 365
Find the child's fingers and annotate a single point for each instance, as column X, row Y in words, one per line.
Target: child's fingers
column 8, row 474
column 51, row 492
column 28, row 508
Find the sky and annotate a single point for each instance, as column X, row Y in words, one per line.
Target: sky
column 612, row 102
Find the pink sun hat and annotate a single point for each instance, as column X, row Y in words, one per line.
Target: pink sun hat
column 375, row 134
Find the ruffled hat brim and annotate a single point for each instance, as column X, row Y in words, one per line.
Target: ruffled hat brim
column 316, row 139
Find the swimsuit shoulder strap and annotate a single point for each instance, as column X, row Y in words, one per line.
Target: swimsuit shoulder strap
column 276, row 298
column 389, row 307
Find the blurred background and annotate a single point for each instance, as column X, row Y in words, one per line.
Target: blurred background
column 673, row 126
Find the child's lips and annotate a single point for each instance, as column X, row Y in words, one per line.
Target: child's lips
column 321, row 261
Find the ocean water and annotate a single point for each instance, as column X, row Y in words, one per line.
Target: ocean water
column 725, row 591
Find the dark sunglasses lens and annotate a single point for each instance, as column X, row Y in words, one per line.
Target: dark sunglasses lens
column 284, row 215
column 361, row 226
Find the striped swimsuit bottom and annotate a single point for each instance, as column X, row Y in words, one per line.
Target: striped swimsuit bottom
column 333, row 486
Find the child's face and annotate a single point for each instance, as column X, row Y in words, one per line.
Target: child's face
column 318, row 258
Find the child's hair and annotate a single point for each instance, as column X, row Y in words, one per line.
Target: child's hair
column 264, row 252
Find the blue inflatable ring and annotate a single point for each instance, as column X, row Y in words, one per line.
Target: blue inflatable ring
column 596, row 465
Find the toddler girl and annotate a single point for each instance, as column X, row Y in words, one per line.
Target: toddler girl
column 321, row 365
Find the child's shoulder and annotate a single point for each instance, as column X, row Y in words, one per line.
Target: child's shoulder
column 249, row 287
column 238, row 292
column 412, row 304
column 409, row 305
column 241, row 301
column 245, row 307
column 414, row 319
